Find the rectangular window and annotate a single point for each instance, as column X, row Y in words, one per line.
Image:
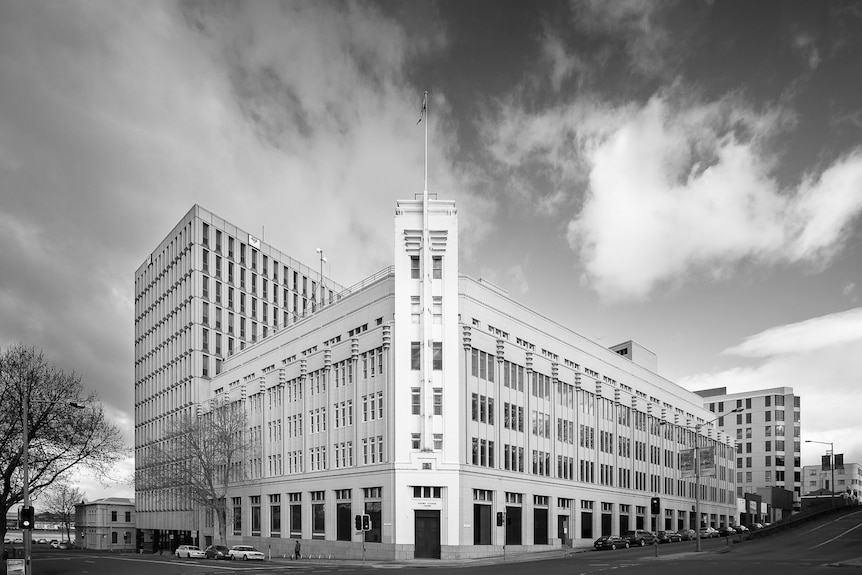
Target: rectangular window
column 438, row 401
column 415, row 401
column 437, row 267
column 237, row 515
column 415, row 355
column 414, row 267
column 415, row 309
column 437, row 357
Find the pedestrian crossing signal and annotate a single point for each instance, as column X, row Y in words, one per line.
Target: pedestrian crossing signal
column 26, row 517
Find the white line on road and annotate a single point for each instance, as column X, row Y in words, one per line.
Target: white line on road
column 858, row 525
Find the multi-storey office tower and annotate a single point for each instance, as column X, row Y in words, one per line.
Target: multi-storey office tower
column 438, row 405
column 767, row 434
column 206, row 292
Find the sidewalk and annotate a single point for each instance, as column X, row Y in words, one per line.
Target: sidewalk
column 399, row 563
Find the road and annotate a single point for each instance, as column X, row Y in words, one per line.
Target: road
column 808, row 549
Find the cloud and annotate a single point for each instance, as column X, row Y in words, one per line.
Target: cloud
column 634, row 24
column 805, row 45
column 117, row 117
column 819, row 359
column 676, row 188
column 562, row 63
column 837, row 329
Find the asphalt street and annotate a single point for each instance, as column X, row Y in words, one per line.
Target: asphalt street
column 810, row 548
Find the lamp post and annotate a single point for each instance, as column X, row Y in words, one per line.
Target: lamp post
column 831, row 465
column 25, row 469
column 697, row 428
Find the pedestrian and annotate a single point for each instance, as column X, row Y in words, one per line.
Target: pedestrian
column 296, row 553
column 161, row 549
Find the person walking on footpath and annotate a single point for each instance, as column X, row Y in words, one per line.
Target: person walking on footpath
column 296, row 549
column 161, row 549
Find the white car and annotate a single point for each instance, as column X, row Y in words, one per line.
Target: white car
column 246, row 553
column 189, row 552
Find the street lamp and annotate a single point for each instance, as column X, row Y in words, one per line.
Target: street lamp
column 831, row 465
column 697, row 427
column 25, row 468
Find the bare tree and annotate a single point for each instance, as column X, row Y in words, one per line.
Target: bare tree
column 61, row 437
column 60, row 501
column 204, row 454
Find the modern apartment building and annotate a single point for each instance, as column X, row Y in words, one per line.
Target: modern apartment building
column 205, row 293
column 767, row 434
column 454, row 416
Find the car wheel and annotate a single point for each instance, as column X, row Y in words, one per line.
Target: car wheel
column 613, row 546
column 642, row 543
column 245, row 557
column 627, row 544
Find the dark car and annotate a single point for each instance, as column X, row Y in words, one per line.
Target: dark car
column 726, row 531
column 640, row 537
column 217, row 552
column 668, row 537
column 611, row 542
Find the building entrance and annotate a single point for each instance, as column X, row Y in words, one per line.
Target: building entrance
column 427, row 528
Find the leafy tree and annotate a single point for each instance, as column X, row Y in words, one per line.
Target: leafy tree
column 62, row 437
column 60, row 501
column 204, row 454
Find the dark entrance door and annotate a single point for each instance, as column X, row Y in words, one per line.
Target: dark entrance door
column 563, row 529
column 427, row 534
column 513, row 525
column 344, row 526
column 540, row 526
column 607, row 527
column 481, row 524
column 624, row 524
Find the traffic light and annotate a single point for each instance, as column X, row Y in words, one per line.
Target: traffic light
column 499, row 519
column 26, row 517
column 655, row 505
column 366, row 523
column 358, row 522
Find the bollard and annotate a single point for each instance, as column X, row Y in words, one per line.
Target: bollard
column 655, row 545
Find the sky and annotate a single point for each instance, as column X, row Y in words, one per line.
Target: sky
column 686, row 174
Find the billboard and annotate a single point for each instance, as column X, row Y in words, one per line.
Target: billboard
column 706, row 455
column 705, row 466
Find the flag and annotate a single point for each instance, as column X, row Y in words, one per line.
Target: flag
column 424, row 108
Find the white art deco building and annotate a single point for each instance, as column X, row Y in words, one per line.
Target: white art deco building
column 429, row 400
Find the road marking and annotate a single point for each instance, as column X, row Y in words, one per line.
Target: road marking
column 858, row 525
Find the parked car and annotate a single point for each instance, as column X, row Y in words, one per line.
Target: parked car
column 741, row 528
column 611, row 542
column 246, row 552
column 217, row 552
column 668, row 537
column 726, row 531
column 640, row 537
column 708, row 533
column 42, row 541
column 59, row 544
column 189, row 552
column 687, row 534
